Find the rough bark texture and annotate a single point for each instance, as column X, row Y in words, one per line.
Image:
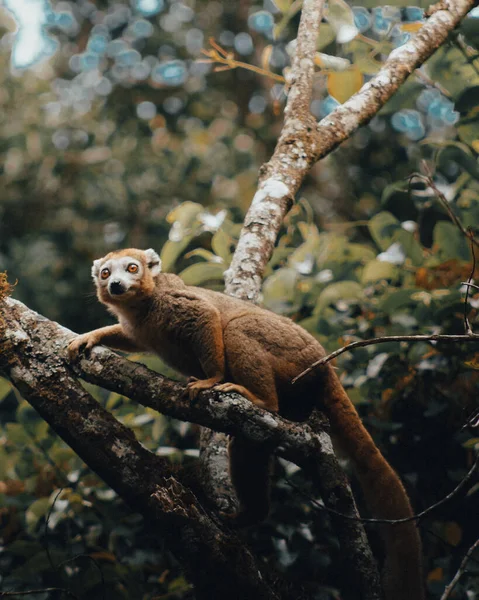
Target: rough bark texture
column 281, row 177
column 32, row 357
column 303, row 141
column 30, row 335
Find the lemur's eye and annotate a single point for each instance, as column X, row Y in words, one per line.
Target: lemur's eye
column 105, row 273
column 132, row 268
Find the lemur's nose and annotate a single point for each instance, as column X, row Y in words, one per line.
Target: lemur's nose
column 116, row 288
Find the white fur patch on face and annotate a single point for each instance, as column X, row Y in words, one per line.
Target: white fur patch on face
column 153, row 261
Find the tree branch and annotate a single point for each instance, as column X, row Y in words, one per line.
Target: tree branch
column 460, row 571
column 303, row 141
column 417, row 517
column 436, row 337
column 258, row 236
column 229, row 413
column 281, row 177
column 32, row 357
column 42, row 345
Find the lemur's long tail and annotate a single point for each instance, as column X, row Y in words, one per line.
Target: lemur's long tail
column 383, row 491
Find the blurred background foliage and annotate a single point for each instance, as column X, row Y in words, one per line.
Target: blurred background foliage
column 114, row 133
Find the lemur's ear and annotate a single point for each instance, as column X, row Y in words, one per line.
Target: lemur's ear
column 153, row 261
column 96, row 268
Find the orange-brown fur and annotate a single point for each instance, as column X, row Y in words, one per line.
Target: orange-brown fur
column 236, row 346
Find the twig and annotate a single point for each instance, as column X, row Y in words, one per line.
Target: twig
column 39, row 591
column 468, row 233
column 428, row 179
column 47, row 539
column 303, row 141
column 282, row 175
column 435, row 84
column 467, row 325
column 436, row 337
column 459, row 42
column 219, row 55
column 416, row 517
column 472, row 420
column 460, row 571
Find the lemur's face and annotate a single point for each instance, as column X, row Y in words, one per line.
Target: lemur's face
column 125, row 274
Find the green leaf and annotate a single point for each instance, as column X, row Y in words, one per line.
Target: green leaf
column 358, row 252
column 171, row 251
column 448, row 67
column 24, row 548
column 5, row 389
column 280, row 291
column 16, row 434
column 449, row 242
column 203, row 253
column 202, row 273
column 341, row 290
column 341, row 18
column 113, row 400
column 469, row 134
column 27, row 415
column 376, row 270
column 185, row 225
column 282, row 5
column 36, row 511
column 405, row 97
column 40, row 563
column 470, row 29
column 467, row 100
column 326, row 36
column 186, row 213
column 382, row 227
column 221, row 243
column 288, row 14
column 470, row 444
column 308, row 250
column 397, row 300
column 159, row 427
column 410, row 245
column 459, row 154
column 399, row 188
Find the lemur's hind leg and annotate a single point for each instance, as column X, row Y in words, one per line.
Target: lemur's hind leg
column 252, row 376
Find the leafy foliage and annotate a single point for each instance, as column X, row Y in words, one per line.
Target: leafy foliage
column 124, row 139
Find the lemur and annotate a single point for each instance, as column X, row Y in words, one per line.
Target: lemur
column 230, row 345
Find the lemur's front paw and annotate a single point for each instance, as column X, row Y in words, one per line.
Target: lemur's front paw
column 195, row 386
column 86, row 341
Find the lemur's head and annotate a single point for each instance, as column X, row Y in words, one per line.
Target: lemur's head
column 124, row 275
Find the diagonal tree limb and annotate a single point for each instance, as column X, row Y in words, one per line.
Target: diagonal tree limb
column 303, row 141
column 257, row 231
column 32, row 357
column 30, row 334
column 282, row 176
column 44, row 378
column 300, row 145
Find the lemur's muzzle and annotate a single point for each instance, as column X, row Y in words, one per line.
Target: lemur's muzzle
column 116, row 288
